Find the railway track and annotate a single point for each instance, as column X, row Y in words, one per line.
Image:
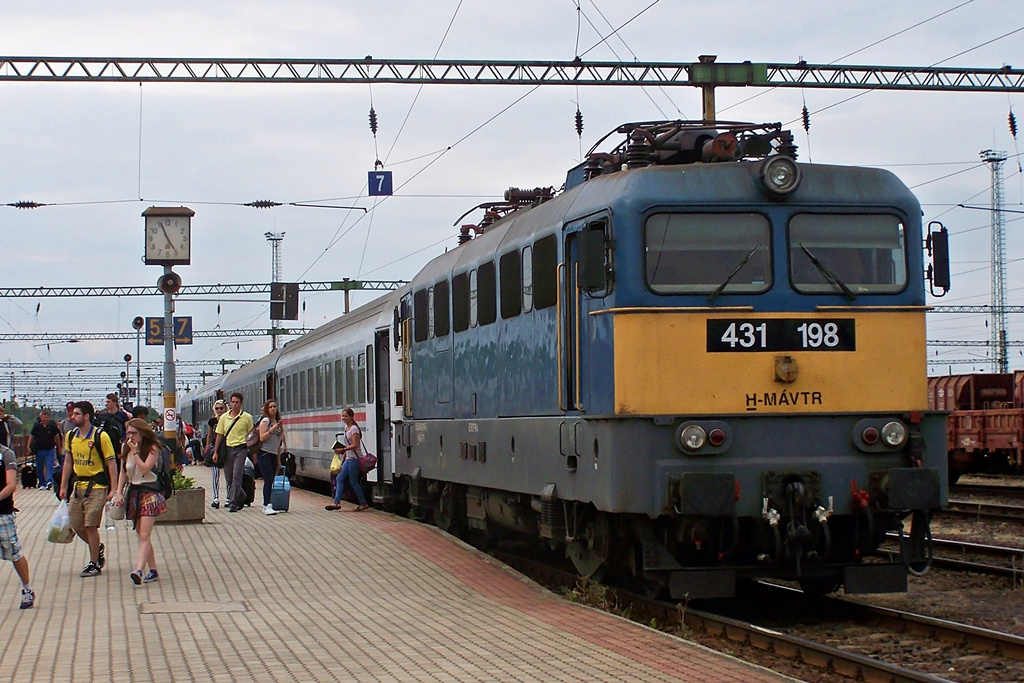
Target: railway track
column 976, row 557
column 997, row 490
column 976, row 510
column 926, row 635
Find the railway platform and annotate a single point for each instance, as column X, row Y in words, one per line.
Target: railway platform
column 311, row 595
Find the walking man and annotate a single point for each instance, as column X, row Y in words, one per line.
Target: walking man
column 10, row 546
column 94, row 463
column 8, row 424
column 44, row 437
column 231, row 429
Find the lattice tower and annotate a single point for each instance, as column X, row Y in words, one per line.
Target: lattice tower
column 275, row 239
column 998, row 320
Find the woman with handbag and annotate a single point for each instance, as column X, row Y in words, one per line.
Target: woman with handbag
column 271, row 441
column 215, row 464
column 352, row 448
column 141, row 453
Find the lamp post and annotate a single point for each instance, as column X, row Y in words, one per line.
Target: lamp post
column 137, row 323
column 127, row 378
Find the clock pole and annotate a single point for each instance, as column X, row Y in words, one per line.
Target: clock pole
column 170, row 400
column 168, row 242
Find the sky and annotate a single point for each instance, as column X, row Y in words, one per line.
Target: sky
column 101, row 153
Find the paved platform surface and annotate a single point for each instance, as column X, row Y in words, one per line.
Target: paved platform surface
column 311, row 595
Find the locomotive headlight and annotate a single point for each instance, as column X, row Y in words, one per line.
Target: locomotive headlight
column 693, row 437
column 894, row 434
column 780, row 175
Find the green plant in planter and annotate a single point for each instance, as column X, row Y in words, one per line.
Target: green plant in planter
column 180, row 482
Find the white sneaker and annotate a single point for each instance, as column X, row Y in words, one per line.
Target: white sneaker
column 269, row 510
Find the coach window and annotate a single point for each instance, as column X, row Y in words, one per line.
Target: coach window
column 361, row 378
column 302, row 390
column 441, row 314
column 339, row 383
column 460, row 302
column 369, row 372
column 285, row 405
column 847, row 254
column 328, row 386
column 350, row 380
column 319, row 387
column 310, row 388
column 420, row 316
column 707, row 253
column 545, row 272
column 511, row 285
column 487, row 293
column 293, row 404
column 527, row 279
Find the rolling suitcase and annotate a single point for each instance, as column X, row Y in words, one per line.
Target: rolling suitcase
column 281, row 492
column 248, row 484
column 29, row 478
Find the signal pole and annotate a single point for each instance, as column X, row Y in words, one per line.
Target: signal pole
column 275, row 239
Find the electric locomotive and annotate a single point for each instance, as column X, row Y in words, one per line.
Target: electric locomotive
column 700, row 362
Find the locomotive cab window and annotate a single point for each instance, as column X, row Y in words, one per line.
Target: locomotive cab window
column 847, row 254
column 708, row 253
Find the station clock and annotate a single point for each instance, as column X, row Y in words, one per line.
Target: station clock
column 168, row 239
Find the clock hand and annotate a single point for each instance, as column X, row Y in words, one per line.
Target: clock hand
column 165, row 234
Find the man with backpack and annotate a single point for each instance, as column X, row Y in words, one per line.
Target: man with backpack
column 90, row 455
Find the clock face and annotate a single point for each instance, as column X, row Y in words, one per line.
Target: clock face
column 168, row 240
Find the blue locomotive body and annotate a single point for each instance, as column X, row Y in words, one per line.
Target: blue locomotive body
column 699, row 362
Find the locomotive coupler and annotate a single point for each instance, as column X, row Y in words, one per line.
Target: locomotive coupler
column 771, row 515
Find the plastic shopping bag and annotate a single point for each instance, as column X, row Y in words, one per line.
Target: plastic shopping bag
column 60, row 527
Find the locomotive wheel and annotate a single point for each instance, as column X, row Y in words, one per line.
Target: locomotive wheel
column 589, row 552
column 450, row 511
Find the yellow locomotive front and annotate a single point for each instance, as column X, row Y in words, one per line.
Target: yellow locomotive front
column 766, row 410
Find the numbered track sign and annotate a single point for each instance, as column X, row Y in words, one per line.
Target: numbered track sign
column 379, row 183
column 182, row 330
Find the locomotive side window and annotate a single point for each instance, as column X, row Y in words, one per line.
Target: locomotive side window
column 511, row 285
column 545, row 272
column 848, row 254
column 472, row 298
column 460, row 302
column 708, row 253
column 328, row 386
column 441, row 315
column 487, row 293
column 420, row 316
column 527, row 279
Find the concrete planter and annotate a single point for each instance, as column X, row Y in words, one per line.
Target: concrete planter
column 186, row 506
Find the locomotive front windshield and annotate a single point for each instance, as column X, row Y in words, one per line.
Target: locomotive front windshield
column 848, row 254
column 708, row 253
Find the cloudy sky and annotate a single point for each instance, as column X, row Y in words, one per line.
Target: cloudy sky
column 104, row 152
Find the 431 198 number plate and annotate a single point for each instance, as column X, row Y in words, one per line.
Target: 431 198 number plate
column 781, row 334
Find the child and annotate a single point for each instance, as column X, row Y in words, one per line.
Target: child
column 10, row 546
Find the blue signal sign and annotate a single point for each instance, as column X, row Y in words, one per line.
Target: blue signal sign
column 379, row 183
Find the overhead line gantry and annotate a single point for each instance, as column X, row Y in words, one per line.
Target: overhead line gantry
column 195, row 290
